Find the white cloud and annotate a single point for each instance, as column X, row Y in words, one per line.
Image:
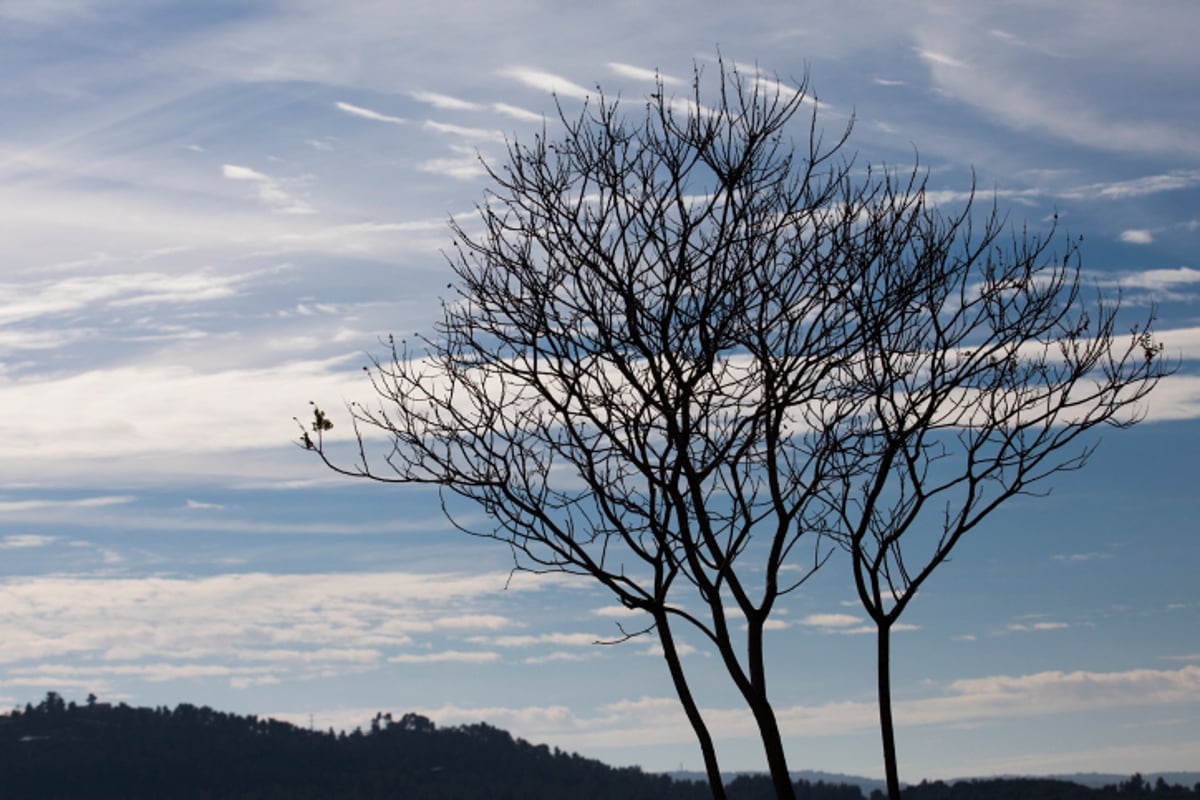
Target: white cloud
column 359, row 655
column 366, row 113
column 1137, row 236
column 941, row 59
column 1136, row 187
column 517, row 113
column 573, row 639
column 25, row 541
column 250, row 683
column 1054, row 78
column 559, row 656
column 655, row 649
column 115, row 290
column 235, row 173
column 659, row 720
column 1157, row 279
column 618, row 612
column 447, row 656
column 476, row 621
column 483, row 134
column 1056, row 692
column 196, row 504
column 168, row 409
column 1176, row 396
column 547, row 81
column 641, row 73
column 1078, row 557
column 1038, row 626
column 863, row 630
column 155, row 672
column 445, row 102
column 464, row 165
column 15, row 506
column 831, row 620
column 270, row 190
column 297, row 626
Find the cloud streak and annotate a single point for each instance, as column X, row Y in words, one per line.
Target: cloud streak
column 299, row 625
column 650, row 721
column 366, row 113
column 547, row 82
column 270, row 190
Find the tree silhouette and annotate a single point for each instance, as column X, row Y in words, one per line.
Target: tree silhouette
column 976, row 388
column 681, row 345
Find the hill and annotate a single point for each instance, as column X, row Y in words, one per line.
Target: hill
column 62, row 750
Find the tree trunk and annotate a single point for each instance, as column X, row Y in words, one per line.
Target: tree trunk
column 671, row 654
column 883, row 671
column 755, row 693
column 768, row 729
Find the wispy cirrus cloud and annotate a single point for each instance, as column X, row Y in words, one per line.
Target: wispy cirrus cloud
column 559, row 656
column 59, row 628
column 529, row 640
column 446, row 656
column 547, row 82
column 1077, row 558
column 446, row 102
column 658, row 720
column 483, row 134
column 270, row 190
column 16, row 506
column 1021, row 627
column 52, row 675
column 1153, row 279
column 941, row 59
column 642, row 74
column 162, row 408
column 517, row 112
column 848, row 624
column 1135, row 187
column 831, row 620
column 1033, row 75
column 463, row 165
column 367, row 113
column 25, row 541
column 22, row 301
column 618, row 612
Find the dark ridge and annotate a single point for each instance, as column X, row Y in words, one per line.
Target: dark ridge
column 62, row 750
column 58, row 750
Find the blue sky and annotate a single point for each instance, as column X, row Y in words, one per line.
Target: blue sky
column 212, row 212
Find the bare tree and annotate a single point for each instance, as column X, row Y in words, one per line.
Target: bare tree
column 977, row 385
column 662, row 365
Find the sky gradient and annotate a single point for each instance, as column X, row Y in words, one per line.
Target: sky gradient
column 211, row 213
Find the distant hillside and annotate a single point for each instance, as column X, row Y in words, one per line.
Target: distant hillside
column 810, row 776
column 1084, row 785
column 57, row 750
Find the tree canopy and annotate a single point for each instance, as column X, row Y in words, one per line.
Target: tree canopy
column 689, row 357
